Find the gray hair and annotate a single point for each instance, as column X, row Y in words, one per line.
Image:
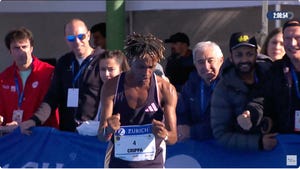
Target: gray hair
column 201, row 46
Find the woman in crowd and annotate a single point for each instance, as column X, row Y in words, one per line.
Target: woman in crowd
column 273, row 45
column 111, row 64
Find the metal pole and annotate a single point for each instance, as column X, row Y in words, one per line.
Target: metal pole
column 130, row 22
column 278, row 21
column 115, row 24
column 264, row 20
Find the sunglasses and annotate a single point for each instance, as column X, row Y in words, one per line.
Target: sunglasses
column 72, row 38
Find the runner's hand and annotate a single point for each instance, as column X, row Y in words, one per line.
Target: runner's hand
column 113, row 123
column 159, row 129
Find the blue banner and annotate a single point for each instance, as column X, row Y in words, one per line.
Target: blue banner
column 50, row 148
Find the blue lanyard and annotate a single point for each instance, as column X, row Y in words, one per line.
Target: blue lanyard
column 82, row 67
column 20, row 94
column 202, row 94
column 256, row 78
column 295, row 79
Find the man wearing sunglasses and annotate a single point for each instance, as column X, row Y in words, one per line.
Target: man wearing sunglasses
column 76, row 84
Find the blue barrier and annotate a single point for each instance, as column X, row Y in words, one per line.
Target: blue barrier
column 50, row 148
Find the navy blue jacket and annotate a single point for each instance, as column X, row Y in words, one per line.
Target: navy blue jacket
column 189, row 108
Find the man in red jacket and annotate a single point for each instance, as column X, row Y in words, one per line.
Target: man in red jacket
column 23, row 84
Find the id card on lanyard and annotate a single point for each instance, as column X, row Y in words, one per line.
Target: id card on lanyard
column 135, row 143
column 296, row 84
column 297, row 120
column 73, row 93
column 18, row 114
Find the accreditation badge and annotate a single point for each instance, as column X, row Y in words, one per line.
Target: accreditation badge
column 297, row 120
column 17, row 115
column 135, row 143
column 73, row 96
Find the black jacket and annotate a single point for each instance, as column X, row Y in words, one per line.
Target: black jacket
column 178, row 69
column 280, row 100
column 89, row 84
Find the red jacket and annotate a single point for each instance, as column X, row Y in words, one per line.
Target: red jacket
column 36, row 87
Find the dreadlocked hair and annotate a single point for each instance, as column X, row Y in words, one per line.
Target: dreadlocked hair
column 138, row 46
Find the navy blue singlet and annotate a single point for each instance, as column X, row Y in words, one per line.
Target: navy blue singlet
column 143, row 115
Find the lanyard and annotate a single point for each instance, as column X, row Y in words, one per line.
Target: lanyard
column 20, row 94
column 295, row 79
column 256, row 78
column 202, row 94
column 82, row 67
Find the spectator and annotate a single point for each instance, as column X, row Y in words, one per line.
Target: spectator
column 180, row 63
column 75, row 87
column 112, row 63
column 239, row 80
column 273, row 45
column 193, row 108
column 281, row 91
column 138, row 100
column 24, row 83
column 99, row 35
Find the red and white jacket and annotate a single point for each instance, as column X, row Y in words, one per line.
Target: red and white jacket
column 35, row 89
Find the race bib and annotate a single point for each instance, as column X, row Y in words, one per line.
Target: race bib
column 135, row 143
